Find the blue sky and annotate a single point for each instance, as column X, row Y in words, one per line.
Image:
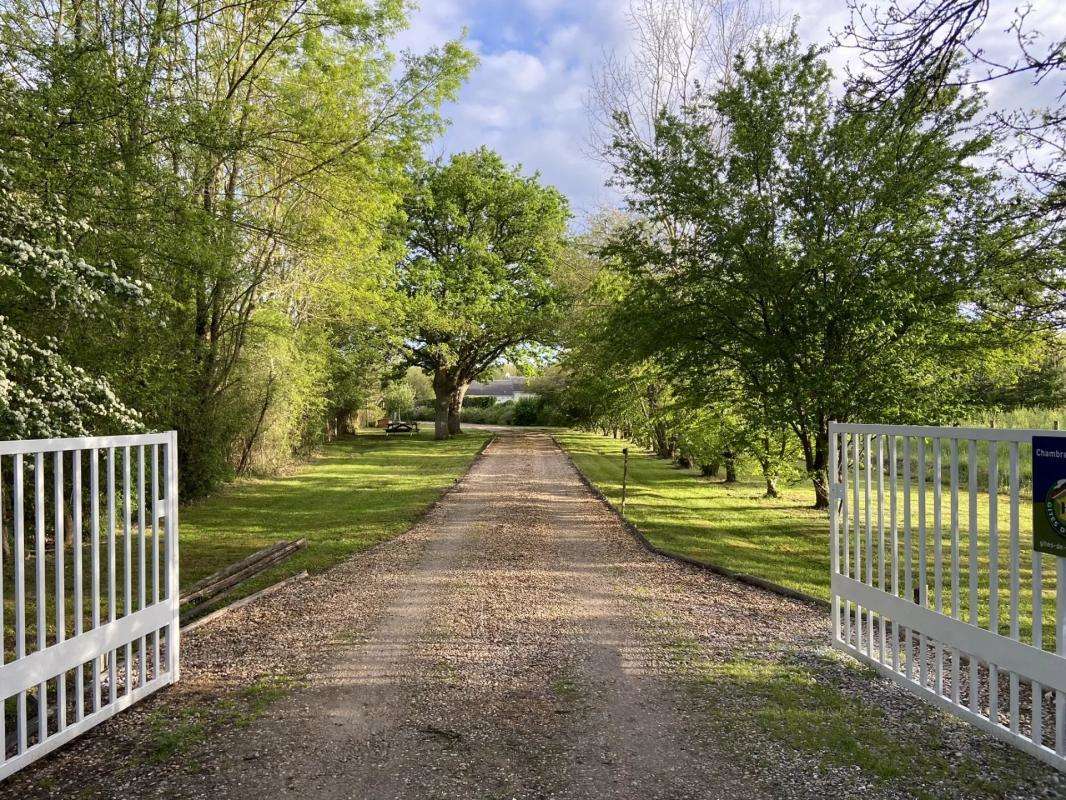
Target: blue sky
column 527, row 97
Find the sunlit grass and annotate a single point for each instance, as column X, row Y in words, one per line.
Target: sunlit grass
column 354, row 494
column 784, row 540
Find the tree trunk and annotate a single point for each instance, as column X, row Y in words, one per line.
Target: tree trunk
column 455, row 410
column 730, row 466
column 444, row 387
column 816, row 462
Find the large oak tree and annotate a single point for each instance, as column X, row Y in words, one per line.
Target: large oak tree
column 482, row 242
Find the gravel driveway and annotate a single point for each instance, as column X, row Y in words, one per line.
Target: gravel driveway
column 518, row 643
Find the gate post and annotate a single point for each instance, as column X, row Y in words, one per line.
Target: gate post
column 834, row 522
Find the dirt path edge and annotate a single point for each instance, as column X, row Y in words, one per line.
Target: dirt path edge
column 717, row 569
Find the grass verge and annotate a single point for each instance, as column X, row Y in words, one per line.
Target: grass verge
column 354, row 494
column 785, row 541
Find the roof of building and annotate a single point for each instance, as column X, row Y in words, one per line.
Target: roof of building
column 501, row 387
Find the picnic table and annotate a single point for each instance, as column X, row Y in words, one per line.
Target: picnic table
column 401, row 427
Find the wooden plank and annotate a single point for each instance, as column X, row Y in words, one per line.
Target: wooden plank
column 215, row 589
column 220, row 612
column 235, row 567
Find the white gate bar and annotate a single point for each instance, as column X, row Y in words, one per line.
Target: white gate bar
column 1015, row 583
column 60, row 589
column 908, row 580
column 80, row 443
column 955, row 607
column 894, row 522
column 971, row 473
column 993, row 573
column 1040, row 665
column 882, row 642
column 20, row 592
column 40, row 597
column 17, row 676
column 79, row 613
column 82, row 638
column 1022, row 435
column 990, row 649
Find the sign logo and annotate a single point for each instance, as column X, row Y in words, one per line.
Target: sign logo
column 1055, row 507
column 1049, row 494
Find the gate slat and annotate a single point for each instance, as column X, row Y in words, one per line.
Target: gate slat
column 141, row 565
column 938, row 557
column 94, row 558
column 858, row 538
column 155, row 552
column 1015, row 583
column 894, row 524
column 40, row 598
column 845, row 535
column 79, row 613
column 112, row 584
column 993, row 573
column 908, row 582
column 127, row 553
column 60, row 589
column 955, row 612
column 869, row 556
column 882, row 643
column 19, row 557
column 3, row 630
column 923, row 558
column 971, row 474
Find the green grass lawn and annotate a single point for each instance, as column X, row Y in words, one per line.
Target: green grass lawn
column 355, row 493
column 784, row 540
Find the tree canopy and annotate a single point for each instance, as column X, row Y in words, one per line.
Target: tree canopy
column 482, row 243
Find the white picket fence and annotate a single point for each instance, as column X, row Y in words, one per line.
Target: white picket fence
column 933, row 589
column 91, row 580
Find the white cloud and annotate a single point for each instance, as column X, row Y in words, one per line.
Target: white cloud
column 526, row 99
column 521, row 71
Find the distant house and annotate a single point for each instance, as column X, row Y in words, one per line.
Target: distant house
column 501, row 390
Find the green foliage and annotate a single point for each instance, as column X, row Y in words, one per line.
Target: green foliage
column 45, row 292
column 250, row 180
column 482, row 240
column 816, row 262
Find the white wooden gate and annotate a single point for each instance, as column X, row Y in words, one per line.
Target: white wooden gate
column 89, row 586
column 934, row 579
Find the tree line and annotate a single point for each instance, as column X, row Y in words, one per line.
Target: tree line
column 217, row 217
column 792, row 254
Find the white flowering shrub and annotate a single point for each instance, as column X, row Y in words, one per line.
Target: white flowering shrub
column 41, row 393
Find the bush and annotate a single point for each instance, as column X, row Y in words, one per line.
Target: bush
column 527, row 411
column 479, row 402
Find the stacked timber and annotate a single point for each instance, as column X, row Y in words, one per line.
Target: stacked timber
column 223, row 580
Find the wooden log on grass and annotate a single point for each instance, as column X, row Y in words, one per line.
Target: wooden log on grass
column 240, row 571
column 190, row 621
